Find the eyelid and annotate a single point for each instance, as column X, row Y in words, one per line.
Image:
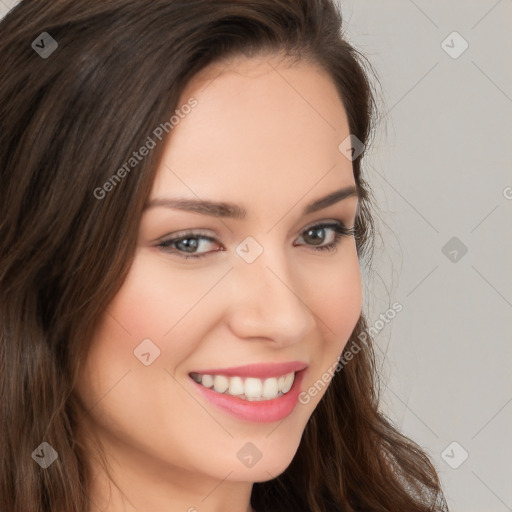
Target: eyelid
column 322, row 222
column 188, row 232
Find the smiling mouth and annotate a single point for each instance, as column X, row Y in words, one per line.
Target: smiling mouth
column 247, row 388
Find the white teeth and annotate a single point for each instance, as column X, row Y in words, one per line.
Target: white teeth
column 236, row 386
column 253, row 387
column 270, row 389
column 220, row 383
column 249, row 389
column 287, row 384
column 207, row 381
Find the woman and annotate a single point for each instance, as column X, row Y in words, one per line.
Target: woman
column 183, row 220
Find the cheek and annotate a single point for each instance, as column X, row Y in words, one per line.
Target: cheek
column 336, row 299
column 162, row 304
column 141, row 404
column 171, row 309
column 154, row 299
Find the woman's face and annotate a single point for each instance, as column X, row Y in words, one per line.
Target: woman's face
column 265, row 299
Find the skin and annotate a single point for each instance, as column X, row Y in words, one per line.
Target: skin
column 265, row 136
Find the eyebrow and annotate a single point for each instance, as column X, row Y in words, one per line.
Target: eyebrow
column 233, row 211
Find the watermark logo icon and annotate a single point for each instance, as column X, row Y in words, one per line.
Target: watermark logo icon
column 454, row 249
column 351, row 147
column 249, row 455
column 249, row 249
column 454, row 45
column 146, row 352
column 45, row 455
column 44, row 45
column 454, row 455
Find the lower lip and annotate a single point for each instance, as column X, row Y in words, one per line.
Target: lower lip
column 264, row 411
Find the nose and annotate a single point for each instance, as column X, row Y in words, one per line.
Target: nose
column 269, row 301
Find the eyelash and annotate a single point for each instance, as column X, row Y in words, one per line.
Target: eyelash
column 340, row 231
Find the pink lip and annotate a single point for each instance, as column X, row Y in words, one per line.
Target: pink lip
column 264, row 411
column 259, row 370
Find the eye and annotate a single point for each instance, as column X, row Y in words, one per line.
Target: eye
column 189, row 244
column 317, row 234
column 186, row 245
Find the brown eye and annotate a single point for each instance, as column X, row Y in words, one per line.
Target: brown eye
column 316, row 235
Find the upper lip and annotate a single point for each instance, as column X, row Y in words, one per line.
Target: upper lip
column 258, row 370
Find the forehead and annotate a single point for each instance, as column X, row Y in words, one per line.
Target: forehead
column 262, row 129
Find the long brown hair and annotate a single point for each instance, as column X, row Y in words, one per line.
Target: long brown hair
column 73, row 116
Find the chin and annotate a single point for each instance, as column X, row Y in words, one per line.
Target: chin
column 275, row 453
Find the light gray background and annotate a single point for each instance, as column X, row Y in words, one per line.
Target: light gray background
column 440, row 167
